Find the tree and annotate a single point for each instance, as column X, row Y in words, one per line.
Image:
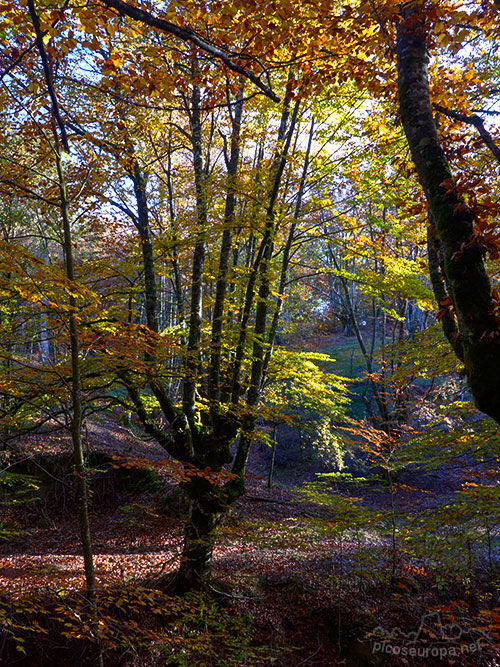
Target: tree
column 460, row 282
column 197, row 386
column 216, row 399
column 180, row 149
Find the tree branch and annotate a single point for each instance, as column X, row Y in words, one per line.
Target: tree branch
column 477, row 122
column 48, row 75
column 188, row 35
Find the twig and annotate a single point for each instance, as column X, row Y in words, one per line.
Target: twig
column 232, row 596
column 262, row 499
column 303, row 662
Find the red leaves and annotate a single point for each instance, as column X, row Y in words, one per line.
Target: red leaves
column 490, row 336
column 448, row 185
column 445, row 304
column 440, row 314
column 461, row 208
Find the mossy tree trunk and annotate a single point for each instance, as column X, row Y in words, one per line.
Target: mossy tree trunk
column 477, row 339
column 200, row 532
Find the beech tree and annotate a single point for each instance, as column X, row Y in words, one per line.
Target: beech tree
column 229, row 266
column 187, row 124
column 223, row 373
column 460, row 280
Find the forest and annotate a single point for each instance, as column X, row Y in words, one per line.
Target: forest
column 249, row 333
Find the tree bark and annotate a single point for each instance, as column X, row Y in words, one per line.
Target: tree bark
column 200, row 532
column 61, row 146
column 463, row 258
column 195, row 317
column 214, row 388
column 144, row 229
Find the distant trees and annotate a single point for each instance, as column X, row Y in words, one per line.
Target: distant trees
column 224, row 168
column 205, row 188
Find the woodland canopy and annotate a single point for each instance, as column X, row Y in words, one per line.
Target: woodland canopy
column 221, row 219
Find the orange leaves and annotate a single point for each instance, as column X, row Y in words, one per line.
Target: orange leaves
column 180, row 472
column 214, row 477
column 29, row 277
column 445, row 306
column 112, row 63
column 415, row 571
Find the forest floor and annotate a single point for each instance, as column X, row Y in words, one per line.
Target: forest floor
column 299, row 579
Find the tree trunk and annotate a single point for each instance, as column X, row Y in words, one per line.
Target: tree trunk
column 61, row 146
column 144, row 229
column 273, row 457
column 200, row 532
column 478, row 336
column 214, row 388
column 196, row 305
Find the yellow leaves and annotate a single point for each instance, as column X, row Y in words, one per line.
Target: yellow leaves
column 470, row 76
column 442, row 36
column 112, row 63
column 115, row 59
column 298, row 380
column 25, row 276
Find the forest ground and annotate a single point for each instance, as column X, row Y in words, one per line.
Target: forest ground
column 294, row 584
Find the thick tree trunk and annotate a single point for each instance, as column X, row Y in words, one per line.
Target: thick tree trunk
column 463, row 263
column 199, row 538
column 200, row 532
